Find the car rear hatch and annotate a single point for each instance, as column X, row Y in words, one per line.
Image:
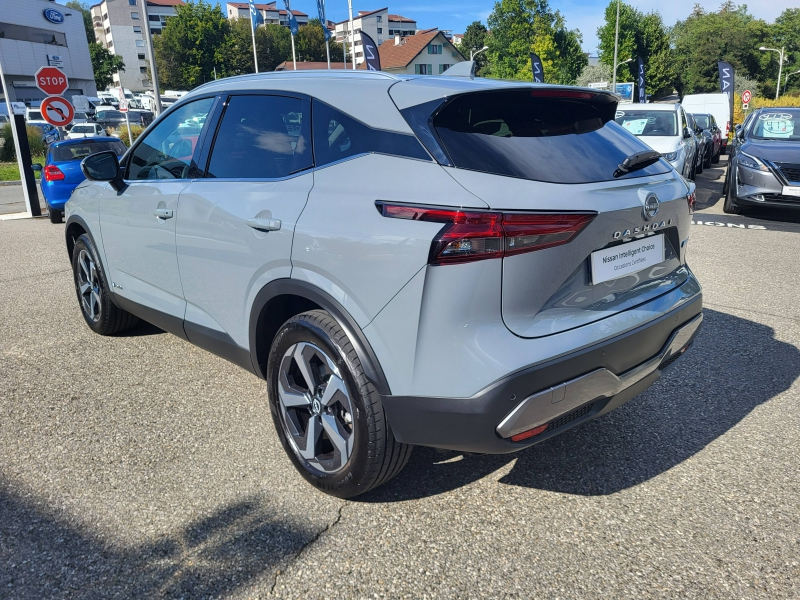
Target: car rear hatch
column 540, row 153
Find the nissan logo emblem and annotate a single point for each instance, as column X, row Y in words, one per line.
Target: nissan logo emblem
column 650, row 209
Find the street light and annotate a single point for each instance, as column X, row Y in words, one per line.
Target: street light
column 473, row 53
column 616, row 45
column 780, row 67
column 614, row 85
column 786, row 80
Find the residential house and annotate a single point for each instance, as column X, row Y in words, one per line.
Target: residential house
column 427, row 52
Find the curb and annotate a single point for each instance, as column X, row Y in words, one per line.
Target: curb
column 17, row 182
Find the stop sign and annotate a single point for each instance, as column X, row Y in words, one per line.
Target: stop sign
column 52, row 81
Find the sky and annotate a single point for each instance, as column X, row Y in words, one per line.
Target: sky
column 585, row 15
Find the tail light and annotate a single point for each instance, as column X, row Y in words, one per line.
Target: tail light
column 691, row 198
column 476, row 235
column 53, row 173
column 727, row 127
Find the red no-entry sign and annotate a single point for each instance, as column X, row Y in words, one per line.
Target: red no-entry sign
column 746, row 95
column 52, row 81
column 57, row 111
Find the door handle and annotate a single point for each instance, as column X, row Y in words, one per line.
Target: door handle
column 163, row 213
column 264, row 224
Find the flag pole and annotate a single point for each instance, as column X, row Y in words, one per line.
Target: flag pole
column 353, row 39
column 328, row 50
column 253, row 31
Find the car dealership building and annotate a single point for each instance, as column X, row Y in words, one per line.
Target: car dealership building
column 38, row 33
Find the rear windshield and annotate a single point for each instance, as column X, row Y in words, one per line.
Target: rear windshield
column 702, row 120
column 556, row 140
column 777, row 124
column 649, row 122
column 68, row 152
column 83, row 129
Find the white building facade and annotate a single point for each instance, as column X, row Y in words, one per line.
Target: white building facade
column 118, row 27
column 377, row 24
column 271, row 14
column 29, row 40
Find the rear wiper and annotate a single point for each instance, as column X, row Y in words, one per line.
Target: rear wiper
column 637, row 161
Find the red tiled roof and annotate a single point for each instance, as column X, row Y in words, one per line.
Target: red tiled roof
column 401, row 19
column 270, row 6
column 398, row 57
column 306, row 66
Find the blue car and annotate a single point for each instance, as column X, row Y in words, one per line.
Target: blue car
column 62, row 173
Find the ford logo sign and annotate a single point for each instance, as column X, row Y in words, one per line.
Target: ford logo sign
column 52, row 15
column 650, row 208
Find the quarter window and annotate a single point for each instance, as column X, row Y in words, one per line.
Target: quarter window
column 166, row 152
column 262, row 137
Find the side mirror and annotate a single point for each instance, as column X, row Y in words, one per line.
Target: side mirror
column 686, row 133
column 36, row 166
column 700, row 129
column 103, row 166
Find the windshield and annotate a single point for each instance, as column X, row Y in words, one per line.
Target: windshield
column 83, row 129
column 649, row 122
column 34, row 115
column 538, row 137
column 69, row 152
column 702, row 120
column 776, row 124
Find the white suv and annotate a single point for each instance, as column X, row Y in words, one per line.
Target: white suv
column 454, row 262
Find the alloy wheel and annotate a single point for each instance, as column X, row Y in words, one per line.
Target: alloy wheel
column 89, row 286
column 316, row 408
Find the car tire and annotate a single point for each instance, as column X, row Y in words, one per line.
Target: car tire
column 56, row 216
column 352, row 448
column 728, row 205
column 707, row 159
column 98, row 310
column 699, row 166
column 715, row 158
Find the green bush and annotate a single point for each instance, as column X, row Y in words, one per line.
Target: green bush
column 136, row 130
column 35, row 141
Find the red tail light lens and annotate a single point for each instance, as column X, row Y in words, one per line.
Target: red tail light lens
column 473, row 235
column 691, row 198
column 727, row 127
column 53, row 173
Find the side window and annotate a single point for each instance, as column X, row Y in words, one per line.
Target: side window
column 166, row 152
column 261, row 137
column 338, row 136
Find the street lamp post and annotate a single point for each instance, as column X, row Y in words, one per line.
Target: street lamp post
column 780, row 67
column 616, row 45
column 473, row 53
column 786, row 79
column 614, row 85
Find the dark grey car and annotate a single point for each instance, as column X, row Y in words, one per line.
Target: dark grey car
column 764, row 168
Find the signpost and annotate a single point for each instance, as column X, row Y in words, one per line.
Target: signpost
column 57, row 111
column 123, row 107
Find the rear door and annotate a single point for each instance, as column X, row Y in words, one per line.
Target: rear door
column 138, row 223
column 236, row 223
column 560, row 156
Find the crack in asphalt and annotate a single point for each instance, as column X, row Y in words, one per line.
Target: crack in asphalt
column 752, row 310
column 307, row 545
column 29, row 277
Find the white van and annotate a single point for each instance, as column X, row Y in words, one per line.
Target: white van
column 715, row 104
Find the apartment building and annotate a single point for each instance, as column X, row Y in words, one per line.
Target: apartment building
column 118, row 26
column 270, row 12
column 377, row 24
column 30, row 40
column 428, row 52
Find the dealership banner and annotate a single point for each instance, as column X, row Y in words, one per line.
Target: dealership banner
column 321, row 10
column 642, row 83
column 292, row 21
column 726, row 75
column 370, row 52
column 536, row 67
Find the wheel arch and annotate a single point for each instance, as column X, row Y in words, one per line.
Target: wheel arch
column 74, row 229
column 282, row 299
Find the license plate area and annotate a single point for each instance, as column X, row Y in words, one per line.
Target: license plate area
column 631, row 257
column 791, row 190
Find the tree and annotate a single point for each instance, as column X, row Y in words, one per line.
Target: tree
column 640, row 35
column 474, row 39
column 786, row 33
column 104, row 65
column 519, row 27
column 83, row 7
column 730, row 34
column 189, row 47
column 274, row 45
column 310, row 44
column 594, row 74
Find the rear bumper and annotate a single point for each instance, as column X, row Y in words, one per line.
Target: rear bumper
column 566, row 391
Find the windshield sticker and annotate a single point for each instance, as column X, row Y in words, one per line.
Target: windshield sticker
column 778, row 128
column 635, row 126
column 620, row 113
column 775, row 117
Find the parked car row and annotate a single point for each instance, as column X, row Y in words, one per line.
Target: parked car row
column 529, row 275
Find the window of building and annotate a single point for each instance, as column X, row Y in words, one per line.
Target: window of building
column 443, row 67
column 380, row 29
column 143, row 70
column 132, row 2
column 155, row 31
column 105, row 16
column 166, row 152
column 423, row 69
column 140, row 43
column 32, row 34
column 262, row 137
column 435, row 49
column 135, row 16
column 153, row 17
column 142, row 57
column 110, row 43
column 338, row 136
column 108, row 29
column 137, row 29
column 379, row 18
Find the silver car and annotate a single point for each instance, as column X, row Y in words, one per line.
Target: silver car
column 442, row 261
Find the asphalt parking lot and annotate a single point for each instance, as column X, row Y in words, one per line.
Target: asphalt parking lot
column 139, row 466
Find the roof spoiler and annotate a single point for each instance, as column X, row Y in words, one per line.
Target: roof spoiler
column 462, row 69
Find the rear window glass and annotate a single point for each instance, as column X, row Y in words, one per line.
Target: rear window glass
column 555, row 140
column 703, row 121
column 648, row 122
column 69, row 152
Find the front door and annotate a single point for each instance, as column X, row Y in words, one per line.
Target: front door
column 236, row 224
column 138, row 223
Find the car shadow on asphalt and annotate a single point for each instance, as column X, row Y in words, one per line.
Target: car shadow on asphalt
column 734, row 366
column 41, row 556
